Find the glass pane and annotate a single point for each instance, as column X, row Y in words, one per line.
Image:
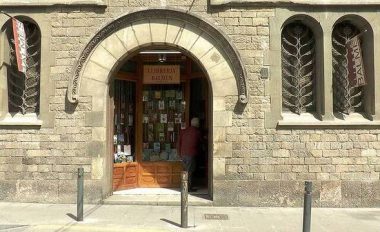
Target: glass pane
column 124, row 121
column 163, row 117
column 129, row 66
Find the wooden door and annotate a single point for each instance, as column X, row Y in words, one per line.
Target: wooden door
column 155, row 172
column 160, row 174
column 125, row 175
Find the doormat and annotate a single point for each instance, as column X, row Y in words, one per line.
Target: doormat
column 216, row 216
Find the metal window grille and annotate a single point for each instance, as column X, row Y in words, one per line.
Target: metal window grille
column 347, row 99
column 24, row 89
column 298, row 68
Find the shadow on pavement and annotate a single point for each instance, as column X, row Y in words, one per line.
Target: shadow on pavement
column 85, row 214
column 12, row 227
column 72, row 216
column 170, row 222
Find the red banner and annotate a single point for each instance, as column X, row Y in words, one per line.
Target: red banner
column 20, row 44
column 355, row 65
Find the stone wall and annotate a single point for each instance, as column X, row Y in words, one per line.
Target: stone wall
column 257, row 164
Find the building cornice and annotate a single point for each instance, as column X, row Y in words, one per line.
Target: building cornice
column 51, row 2
column 297, row 2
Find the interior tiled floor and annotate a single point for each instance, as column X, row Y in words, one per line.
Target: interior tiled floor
column 157, row 196
column 157, row 191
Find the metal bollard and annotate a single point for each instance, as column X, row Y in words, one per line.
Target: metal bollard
column 184, row 196
column 80, row 194
column 307, row 206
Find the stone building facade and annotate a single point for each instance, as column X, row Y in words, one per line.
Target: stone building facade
column 262, row 150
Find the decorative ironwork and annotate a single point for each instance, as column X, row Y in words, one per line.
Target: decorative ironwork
column 221, row 41
column 298, row 69
column 347, row 98
column 24, row 89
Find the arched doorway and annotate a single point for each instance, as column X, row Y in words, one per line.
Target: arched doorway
column 154, row 94
column 188, row 33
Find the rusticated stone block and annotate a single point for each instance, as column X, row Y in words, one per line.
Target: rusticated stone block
column 351, row 194
column 7, row 190
column 94, row 119
column 331, row 193
column 281, row 153
column 95, row 148
column 248, row 193
column 37, row 191
column 291, row 193
column 226, row 192
column 269, row 193
column 370, row 194
column 67, row 190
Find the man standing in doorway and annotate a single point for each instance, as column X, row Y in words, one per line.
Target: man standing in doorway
column 189, row 147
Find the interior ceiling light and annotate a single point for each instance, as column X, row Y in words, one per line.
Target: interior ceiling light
column 161, row 58
column 160, row 52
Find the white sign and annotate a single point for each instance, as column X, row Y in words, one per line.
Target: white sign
column 20, row 44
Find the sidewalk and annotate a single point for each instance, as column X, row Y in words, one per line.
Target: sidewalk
column 17, row 217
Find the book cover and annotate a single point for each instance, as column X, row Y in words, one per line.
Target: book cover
column 170, row 126
column 160, row 127
column 130, row 120
column 172, row 104
column 145, row 118
column 146, row 145
column 120, row 138
column 150, row 132
column 167, row 147
column 156, row 147
column 164, row 155
column 161, row 105
column 157, row 94
column 145, row 95
column 179, row 94
column 170, row 94
column 146, row 154
column 183, row 106
column 161, row 137
column 154, row 117
column 173, row 154
column 164, row 118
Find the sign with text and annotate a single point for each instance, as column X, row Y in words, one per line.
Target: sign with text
column 20, row 44
column 356, row 75
column 161, row 74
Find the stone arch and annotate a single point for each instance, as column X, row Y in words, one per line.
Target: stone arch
column 208, row 45
column 128, row 34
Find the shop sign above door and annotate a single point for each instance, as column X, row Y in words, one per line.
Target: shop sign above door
column 161, row 74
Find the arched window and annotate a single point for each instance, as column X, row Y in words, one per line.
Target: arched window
column 348, row 63
column 298, row 68
column 24, row 88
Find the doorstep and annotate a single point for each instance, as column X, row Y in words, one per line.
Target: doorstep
column 157, row 196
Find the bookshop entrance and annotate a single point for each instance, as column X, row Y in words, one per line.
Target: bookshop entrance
column 154, row 95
